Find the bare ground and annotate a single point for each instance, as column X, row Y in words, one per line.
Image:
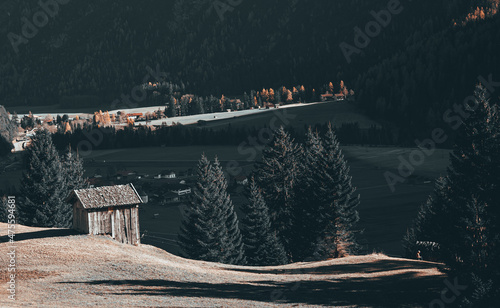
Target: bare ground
column 56, row 268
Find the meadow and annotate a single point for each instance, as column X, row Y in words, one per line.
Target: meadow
column 385, row 215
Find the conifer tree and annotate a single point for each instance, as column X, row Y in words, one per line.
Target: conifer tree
column 431, row 224
column 210, row 229
column 262, row 246
column 339, row 199
column 73, row 166
column 234, row 243
column 199, row 231
column 462, row 216
column 310, row 206
column 43, row 186
column 327, row 208
column 278, row 175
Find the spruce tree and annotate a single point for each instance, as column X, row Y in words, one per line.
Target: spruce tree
column 278, row 175
column 309, row 212
column 431, row 224
column 43, row 186
column 233, row 243
column 262, row 246
column 462, row 216
column 74, row 171
column 210, row 229
column 340, row 201
column 198, row 236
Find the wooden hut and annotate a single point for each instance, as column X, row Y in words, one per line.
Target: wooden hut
column 108, row 210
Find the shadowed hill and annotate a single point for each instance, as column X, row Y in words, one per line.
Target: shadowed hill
column 78, row 270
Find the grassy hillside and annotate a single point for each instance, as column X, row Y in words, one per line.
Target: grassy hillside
column 57, row 268
column 385, row 215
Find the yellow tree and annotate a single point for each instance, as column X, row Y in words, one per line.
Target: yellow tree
column 67, row 128
column 271, row 95
column 264, row 95
column 289, row 96
column 106, row 119
column 221, row 102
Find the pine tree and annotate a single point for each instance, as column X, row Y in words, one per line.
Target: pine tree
column 234, row 243
column 309, row 223
column 210, row 229
column 463, row 215
column 431, row 224
column 278, row 175
column 339, row 210
column 43, row 186
column 473, row 174
column 262, row 246
column 73, row 166
column 198, row 236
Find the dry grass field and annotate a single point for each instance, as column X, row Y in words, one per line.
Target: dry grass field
column 58, row 268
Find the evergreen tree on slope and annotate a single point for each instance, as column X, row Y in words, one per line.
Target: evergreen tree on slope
column 204, row 231
column 339, row 201
column 311, row 197
column 201, row 231
column 43, row 186
column 262, row 246
column 463, row 215
column 278, row 175
column 234, row 243
column 73, row 166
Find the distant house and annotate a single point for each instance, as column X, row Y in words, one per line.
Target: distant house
column 134, row 116
column 339, row 97
column 108, row 210
column 167, row 174
column 180, row 189
column 327, row 97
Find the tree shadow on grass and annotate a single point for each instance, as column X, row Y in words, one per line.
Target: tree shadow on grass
column 402, row 290
column 368, row 267
column 39, row 234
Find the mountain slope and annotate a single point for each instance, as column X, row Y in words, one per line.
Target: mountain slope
column 94, row 51
column 59, row 269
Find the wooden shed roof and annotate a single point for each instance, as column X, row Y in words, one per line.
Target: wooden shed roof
column 107, row 196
